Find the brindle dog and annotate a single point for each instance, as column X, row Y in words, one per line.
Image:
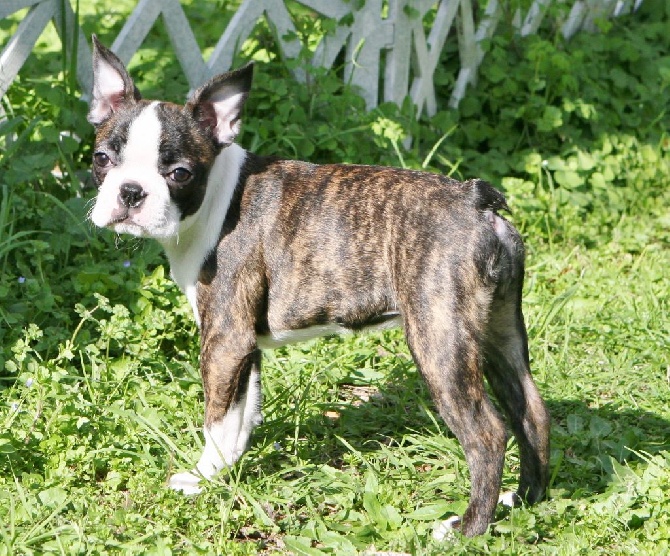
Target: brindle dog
column 272, row 251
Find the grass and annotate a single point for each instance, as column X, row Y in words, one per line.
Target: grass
column 100, row 398
column 351, row 453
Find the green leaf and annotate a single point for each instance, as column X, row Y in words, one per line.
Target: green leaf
column 53, row 497
column 393, row 517
column 6, row 446
column 598, row 181
column 575, row 423
column 568, row 179
column 374, row 509
column 532, row 163
column 430, row 512
column 496, row 74
column 552, row 118
column 585, row 161
column 599, row 427
column 364, row 376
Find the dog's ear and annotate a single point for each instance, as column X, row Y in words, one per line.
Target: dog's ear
column 217, row 105
column 112, row 85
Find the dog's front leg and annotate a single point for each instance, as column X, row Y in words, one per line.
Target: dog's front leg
column 231, row 380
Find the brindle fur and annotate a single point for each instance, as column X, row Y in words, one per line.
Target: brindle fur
column 306, row 245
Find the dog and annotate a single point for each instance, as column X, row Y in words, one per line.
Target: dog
column 271, row 251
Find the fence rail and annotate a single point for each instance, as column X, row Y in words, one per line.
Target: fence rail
column 389, row 46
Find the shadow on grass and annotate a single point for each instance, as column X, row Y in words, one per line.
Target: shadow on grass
column 584, row 440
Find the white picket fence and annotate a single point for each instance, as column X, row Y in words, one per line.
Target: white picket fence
column 394, row 32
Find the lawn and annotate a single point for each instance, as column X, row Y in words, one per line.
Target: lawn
column 100, row 396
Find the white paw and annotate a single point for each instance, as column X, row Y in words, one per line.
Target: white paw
column 187, row 483
column 446, row 529
column 509, row 499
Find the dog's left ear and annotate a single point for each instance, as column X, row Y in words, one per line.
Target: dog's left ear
column 217, row 105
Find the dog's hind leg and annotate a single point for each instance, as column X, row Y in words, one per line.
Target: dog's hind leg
column 507, row 369
column 508, row 373
column 444, row 340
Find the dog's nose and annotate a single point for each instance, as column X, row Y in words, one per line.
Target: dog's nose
column 131, row 195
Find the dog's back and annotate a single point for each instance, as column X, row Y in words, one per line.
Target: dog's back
column 344, row 243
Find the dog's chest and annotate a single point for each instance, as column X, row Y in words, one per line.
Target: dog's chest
column 200, row 233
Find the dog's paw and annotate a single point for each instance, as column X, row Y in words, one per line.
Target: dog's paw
column 187, row 483
column 446, row 529
column 509, row 499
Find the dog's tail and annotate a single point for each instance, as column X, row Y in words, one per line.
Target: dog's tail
column 488, row 197
column 503, row 253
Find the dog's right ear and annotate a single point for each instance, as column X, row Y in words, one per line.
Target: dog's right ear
column 112, row 85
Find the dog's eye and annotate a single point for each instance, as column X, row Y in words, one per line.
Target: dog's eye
column 180, row 175
column 101, row 159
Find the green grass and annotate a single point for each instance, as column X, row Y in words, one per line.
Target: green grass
column 100, row 397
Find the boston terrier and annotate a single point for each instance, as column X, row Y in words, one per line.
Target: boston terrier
column 272, row 251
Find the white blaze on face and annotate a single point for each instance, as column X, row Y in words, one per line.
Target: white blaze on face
column 157, row 217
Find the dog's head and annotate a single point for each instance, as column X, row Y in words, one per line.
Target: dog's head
column 152, row 160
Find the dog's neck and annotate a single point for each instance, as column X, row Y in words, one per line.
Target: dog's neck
column 199, row 233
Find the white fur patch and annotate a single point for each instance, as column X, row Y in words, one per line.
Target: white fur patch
column 225, row 441
column 199, row 233
column 446, row 529
column 186, row 483
column 157, row 217
column 509, row 499
column 278, row 338
column 251, row 416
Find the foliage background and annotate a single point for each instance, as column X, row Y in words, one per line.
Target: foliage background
column 99, row 385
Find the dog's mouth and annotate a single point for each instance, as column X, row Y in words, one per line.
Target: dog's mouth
column 118, row 216
column 122, row 221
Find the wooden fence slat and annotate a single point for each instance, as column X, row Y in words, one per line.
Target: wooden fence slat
column 467, row 45
column 183, row 41
column 428, row 52
column 9, row 7
column 534, row 17
column 136, row 28
column 485, row 30
column 369, row 36
column 575, row 19
column 22, row 42
column 238, row 30
column 396, row 74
